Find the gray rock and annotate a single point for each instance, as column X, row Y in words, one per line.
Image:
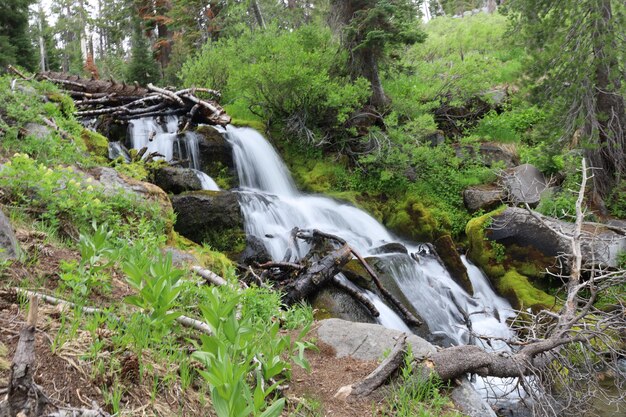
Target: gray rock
column 600, row 245
column 211, row 217
column 9, row 247
column 524, row 184
column 37, row 130
column 177, row 180
column 483, row 197
column 469, row 402
column 436, row 138
column 180, row 258
column 366, row 341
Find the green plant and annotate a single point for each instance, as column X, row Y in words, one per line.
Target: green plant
column 415, row 394
column 243, row 358
column 96, row 255
column 158, row 284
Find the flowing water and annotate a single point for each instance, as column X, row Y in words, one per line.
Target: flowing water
column 272, row 206
column 163, row 138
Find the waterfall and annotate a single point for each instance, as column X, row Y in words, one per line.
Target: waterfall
column 164, row 139
column 272, row 206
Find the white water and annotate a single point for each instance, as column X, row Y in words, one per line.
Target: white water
column 272, row 207
column 164, row 139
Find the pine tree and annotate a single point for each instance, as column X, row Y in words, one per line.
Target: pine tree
column 369, row 29
column 15, row 43
column 579, row 49
column 142, row 67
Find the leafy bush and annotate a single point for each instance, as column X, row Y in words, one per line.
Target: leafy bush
column 69, row 201
column 617, row 201
column 284, row 77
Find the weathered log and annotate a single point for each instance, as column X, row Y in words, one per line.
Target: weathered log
column 317, row 274
column 23, row 397
column 409, row 317
column 379, row 375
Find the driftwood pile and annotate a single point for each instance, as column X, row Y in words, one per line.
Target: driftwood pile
column 131, row 101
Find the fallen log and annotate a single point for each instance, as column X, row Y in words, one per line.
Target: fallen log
column 379, row 375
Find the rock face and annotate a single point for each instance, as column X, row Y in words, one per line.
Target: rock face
column 177, row 180
column 483, row 197
column 600, row 245
column 216, row 155
column 524, row 184
column 36, row 130
column 9, row 248
column 211, row 217
column 469, row 402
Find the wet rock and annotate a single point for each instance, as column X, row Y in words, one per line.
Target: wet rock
column 216, row 155
column 483, row 197
column 436, row 138
column 211, row 217
column 469, row 402
column 336, row 303
column 452, row 260
column 366, row 341
column 524, row 184
column 9, row 248
column 393, row 247
column 516, row 226
column 177, row 180
column 255, row 252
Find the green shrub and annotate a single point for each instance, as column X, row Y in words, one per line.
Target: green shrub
column 69, row 201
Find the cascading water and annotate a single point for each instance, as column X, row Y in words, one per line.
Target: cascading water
column 272, row 207
column 164, row 139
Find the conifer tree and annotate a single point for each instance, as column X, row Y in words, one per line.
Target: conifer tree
column 15, row 42
column 142, row 67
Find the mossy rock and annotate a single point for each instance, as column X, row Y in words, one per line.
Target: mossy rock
column 413, row 220
column 65, row 102
column 505, row 270
column 95, row 143
column 522, row 294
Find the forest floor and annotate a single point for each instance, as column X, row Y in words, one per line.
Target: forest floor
column 66, row 368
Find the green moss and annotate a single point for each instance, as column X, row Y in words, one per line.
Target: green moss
column 479, row 247
column 95, row 143
column 412, row 219
column 521, row 293
column 65, row 102
column 254, row 124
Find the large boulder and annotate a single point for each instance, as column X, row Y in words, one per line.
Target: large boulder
column 216, row 156
column 468, row 401
column 255, row 252
column 524, row 184
column 601, row 245
column 177, row 180
column 9, row 248
column 114, row 182
column 483, row 197
column 366, row 341
column 211, row 217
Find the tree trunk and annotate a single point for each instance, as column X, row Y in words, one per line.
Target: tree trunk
column 257, row 14
column 369, row 69
column 608, row 159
